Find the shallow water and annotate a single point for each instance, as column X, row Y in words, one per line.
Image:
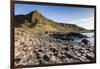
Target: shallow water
column 91, row 38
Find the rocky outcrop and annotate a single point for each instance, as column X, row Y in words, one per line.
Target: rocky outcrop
column 33, row 47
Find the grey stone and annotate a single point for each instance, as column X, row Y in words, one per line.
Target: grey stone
column 53, row 58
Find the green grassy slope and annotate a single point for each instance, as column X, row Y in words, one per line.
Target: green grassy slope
column 40, row 23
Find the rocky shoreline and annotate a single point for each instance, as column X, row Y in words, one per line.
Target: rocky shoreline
column 35, row 48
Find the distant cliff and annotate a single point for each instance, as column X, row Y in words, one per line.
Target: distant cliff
column 38, row 22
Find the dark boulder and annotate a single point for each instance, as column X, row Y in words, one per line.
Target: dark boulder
column 41, row 62
column 61, row 36
column 45, row 57
column 66, row 48
column 40, row 50
column 89, row 57
column 17, row 60
column 85, row 41
column 68, row 55
column 38, row 57
column 53, row 50
column 73, row 34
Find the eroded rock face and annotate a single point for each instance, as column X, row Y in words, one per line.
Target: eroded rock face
column 32, row 48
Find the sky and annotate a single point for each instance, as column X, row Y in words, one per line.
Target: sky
column 83, row 17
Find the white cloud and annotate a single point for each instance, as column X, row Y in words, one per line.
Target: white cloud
column 87, row 23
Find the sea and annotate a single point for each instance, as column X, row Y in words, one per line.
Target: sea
column 90, row 38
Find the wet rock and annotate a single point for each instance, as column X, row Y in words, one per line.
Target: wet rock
column 84, row 54
column 76, row 57
column 91, row 49
column 82, row 58
column 41, row 62
column 37, row 54
column 21, row 43
column 40, row 50
column 45, row 57
column 55, row 53
column 53, row 50
column 17, row 60
column 66, row 48
column 78, row 54
column 85, row 41
column 38, row 57
column 68, row 55
column 86, row 51
column 91, row 54
column 75, row 35
column 89, row 57
column 76, row 47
